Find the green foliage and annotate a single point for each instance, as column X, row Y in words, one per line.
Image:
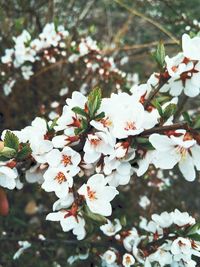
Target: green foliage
column 11, row 141
column 169, row 111
column 94, row 101
column 53, row 124
column 100, row 116
column 7, row 153
column 82, row 128
column 197, row 123
column 24, row 152
column 194, row 229
column 157, row 105
column 95, row 217
column 123, row 221
column 79, row 111
column 159, row 55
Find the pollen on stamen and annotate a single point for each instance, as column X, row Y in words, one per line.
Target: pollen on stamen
column 106, row 122
column 91, row 194
column 66, row 160
column 182, row 150
column 60, row 178
column 95, row 141
column 130, row 126
column 174, row 68
column 128, row 260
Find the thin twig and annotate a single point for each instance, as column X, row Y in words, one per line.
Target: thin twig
column 137, row 46
column 151, row 21
column 153, row 93
column 161, row 129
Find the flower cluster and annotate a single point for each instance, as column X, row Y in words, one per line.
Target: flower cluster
column 26, row 51
column 54, row 44
column 183, row 70
column 97, row 144
column 167, row 240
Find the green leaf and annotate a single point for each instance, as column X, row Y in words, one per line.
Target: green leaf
column 54, row 123
column 84, row 124
column 8, row 153
column 3, row 158
column 123, row 221
column 79, row 111
column 142, row 140
column 197, row 122
column 162, row 99
column 195, row 237
column 77, row 131
column 159, row 55
column 94, row 216
column 100, row 116
column 169, row 110
column 193, row 229
column 94, row 101
column 11, row 140
column 24, row 152
column 157, row 105
column 82, row 128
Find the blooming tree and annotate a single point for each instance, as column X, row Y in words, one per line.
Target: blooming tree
column 87, row 154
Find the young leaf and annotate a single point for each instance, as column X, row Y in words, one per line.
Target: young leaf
column 169, row 110
column 197, row 123
column 8, row 153
column 11, row 140
column 94, row 216
column 123, row 221
column 100, row 116
column 79, row 111
column 157, row 105
column 187, row 118
column 24, row 152
column 53, row 124
column 159, row 54
column 194, row 229
column 94, row 101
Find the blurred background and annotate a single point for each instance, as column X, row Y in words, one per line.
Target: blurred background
column 126, row 31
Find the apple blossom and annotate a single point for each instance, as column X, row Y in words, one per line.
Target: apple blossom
column 69, row 221
column 164, row 220
column 110, row 228
column 191, row 47
column 98, row 195
column 58, row 180
column 128, row 260
column 172, row 150
column 109, row 257
column 182, row 218
column 96, row 145
column 8, row 177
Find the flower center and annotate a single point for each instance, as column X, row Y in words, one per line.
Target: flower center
column 95, row 141
column 91, row 194
column 130, row 126
column 128, row 260
column 66, row 160
column 106, row 122
column 181, row 244
column 182, row 151
column 60, row 178
column 174, row 68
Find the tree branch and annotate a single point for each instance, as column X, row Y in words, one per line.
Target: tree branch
column 151, row 21
column 161, row 129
